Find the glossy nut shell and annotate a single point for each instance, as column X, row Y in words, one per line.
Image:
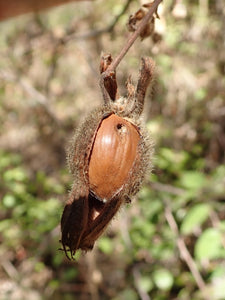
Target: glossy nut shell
column 113, row 154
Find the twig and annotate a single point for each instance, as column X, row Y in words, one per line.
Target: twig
column 124, row 229
column 111, row 27
column 166, row 188
column 137, row 276
column 70, row 35
column 216, row 224
column 10, row 269
column 184, row 252
column 91, row 275
column 36, row 96
column 133, row 36
column 129, row 248
column 97, row 32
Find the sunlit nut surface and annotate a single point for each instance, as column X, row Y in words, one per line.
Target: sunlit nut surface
column 113, row 154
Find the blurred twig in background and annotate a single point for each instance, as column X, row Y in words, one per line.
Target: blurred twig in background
column 184, row 253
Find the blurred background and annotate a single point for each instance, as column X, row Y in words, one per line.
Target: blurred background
column 169, row 243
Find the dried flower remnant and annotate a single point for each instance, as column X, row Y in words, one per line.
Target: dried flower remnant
column 138, row 16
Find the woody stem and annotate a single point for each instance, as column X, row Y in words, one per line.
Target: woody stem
column 131, row 39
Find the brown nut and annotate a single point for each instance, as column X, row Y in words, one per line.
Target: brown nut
column 112, row 157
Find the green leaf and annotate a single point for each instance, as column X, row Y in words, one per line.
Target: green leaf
column 200, row 94
column 193, row 180
column 217, row 282
column 39, row 266
column 195, row 217
column 9, row 200
column 70, row 274
column 16, row 174
column 5, row 224
column 126, row 294
column 209, row 245
column 105, row 245
column 171, row 160
column 163, row 279
column 145, row 283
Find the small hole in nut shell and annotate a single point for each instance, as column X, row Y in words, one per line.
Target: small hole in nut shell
column 119, row 126
column 122, row 128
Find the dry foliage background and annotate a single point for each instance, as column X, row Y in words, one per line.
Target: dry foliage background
column 170, row 242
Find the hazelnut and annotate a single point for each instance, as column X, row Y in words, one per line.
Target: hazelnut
column 113, row 154
column 109, row 157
